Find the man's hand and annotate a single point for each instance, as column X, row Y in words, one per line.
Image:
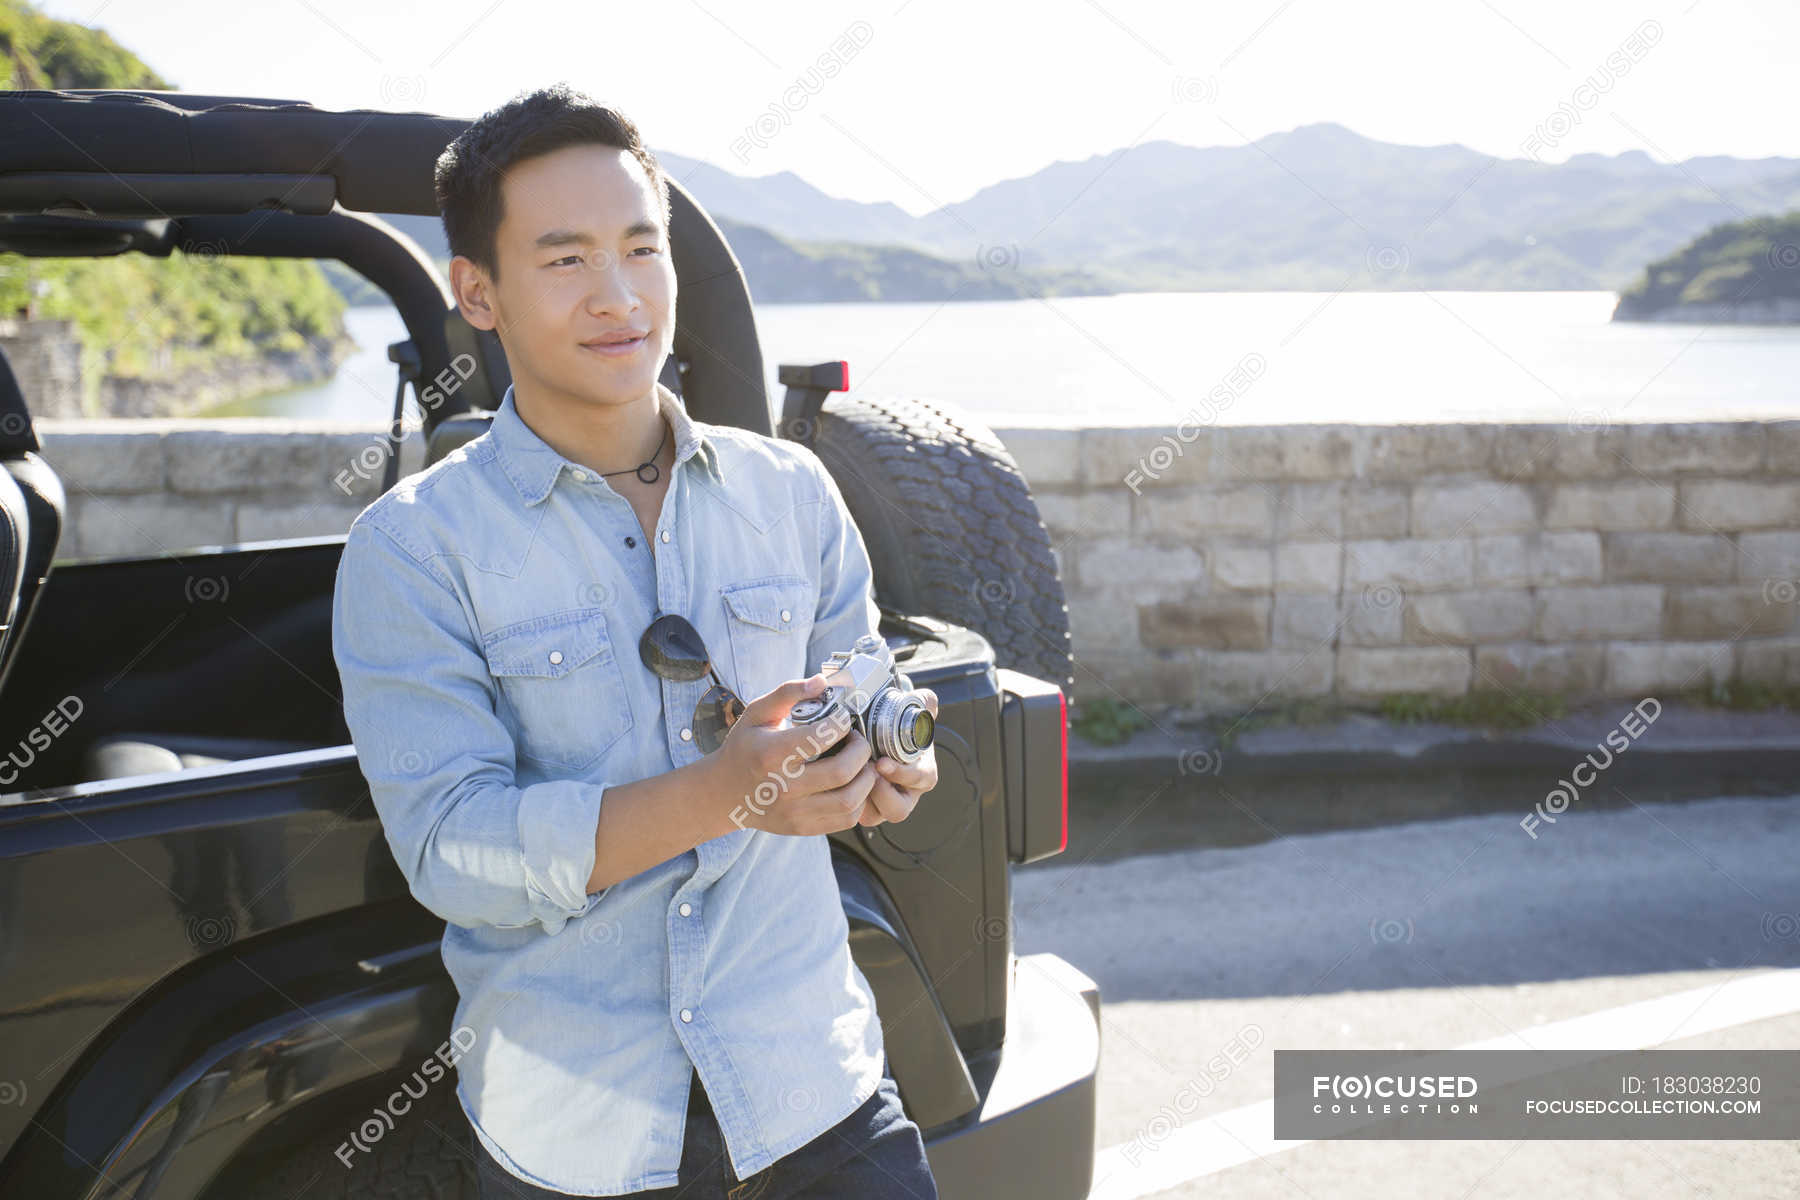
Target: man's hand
column 769, row 782
column 900, row 784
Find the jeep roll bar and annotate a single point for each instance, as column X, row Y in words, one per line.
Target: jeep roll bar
column 115, row 170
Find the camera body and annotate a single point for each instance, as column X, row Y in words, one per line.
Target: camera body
column 880, row 702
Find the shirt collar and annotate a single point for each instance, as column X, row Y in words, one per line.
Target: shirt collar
column 532, row 464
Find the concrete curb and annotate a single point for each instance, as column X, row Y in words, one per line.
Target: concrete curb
column 1373, row 743
column 1175, row 789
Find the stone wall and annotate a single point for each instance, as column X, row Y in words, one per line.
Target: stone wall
column 154, row 485
column 1214, row 569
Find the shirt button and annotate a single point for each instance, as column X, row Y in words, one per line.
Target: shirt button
column 665, row 535
column 785, row 614
column 581, row 476
column 556, row 656
column 686, row 909
column 687, row 1014
column 687, row 735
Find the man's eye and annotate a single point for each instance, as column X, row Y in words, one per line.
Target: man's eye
column 651, row 249
column 571, row 258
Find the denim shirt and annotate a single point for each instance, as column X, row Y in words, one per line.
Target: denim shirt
column 486, row 620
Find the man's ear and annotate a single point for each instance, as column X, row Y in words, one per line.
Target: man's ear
column 471, row 287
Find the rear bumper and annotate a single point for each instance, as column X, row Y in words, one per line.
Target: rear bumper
column 1032, row 1137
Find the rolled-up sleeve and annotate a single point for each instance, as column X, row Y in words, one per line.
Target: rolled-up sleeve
column 847, row 607
column 419, row 700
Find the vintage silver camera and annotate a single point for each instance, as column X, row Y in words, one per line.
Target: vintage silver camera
column 879, row 700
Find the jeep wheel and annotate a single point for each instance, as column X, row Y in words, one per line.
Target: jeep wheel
column 951, row 528
column 428, row 1155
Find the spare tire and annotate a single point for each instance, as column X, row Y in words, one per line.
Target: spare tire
column 950, row 524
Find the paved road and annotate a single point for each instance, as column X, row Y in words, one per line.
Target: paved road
column 1430, row 935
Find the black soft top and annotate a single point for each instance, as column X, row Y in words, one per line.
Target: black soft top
column 381, row 161
column 95, row 171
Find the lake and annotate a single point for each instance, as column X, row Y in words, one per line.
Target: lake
column 1244, row 357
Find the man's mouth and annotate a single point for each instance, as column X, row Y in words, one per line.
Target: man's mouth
column 618, row 345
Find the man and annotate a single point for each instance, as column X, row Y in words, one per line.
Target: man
column 646, row 937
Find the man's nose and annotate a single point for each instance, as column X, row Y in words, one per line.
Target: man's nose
column 608, row 289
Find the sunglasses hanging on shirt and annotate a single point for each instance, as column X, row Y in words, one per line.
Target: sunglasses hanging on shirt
column 674, row 650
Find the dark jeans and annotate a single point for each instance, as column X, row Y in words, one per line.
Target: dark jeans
column 876, row 1153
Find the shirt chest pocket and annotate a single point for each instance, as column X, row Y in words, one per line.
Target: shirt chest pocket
column 559, row 675
column 769, row 622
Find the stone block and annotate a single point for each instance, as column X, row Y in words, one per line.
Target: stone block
column 1579, row 614
column 1413, row 564
column 1116, row 564
column 1669, row 557
column 1769, row 556
column 1705, row 613
column 1704, row 447
column 203, row 461
column 1577, row 670
column 1610, row 506
column 356, row 463
column 262, row 521
column 1530, row 453
column 1783, row 439
column 1308, row 512
column 1375, row 512
column 1412, row 452
column 1435, row 670
column 1371, row 616
column 1285, row 452
column 1208, row 622
column 1147, row 459
column 108, row 463
column 1463, row 618
column 1241, row 568
column 1728, row 504
column 1143, row 677
column 1046, row 456
column 1303, row 622
column 1308, row 566
column 1663, row 668
column 1537, row 559
column 1205, row 512
column 1100, row 512
column 1471, row 509
column 1775, row 662
column 1236, row 682
column 146, row 526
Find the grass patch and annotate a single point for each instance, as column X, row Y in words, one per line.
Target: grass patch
column 1483, row 709
column 1106, row 721
column 1310, row 711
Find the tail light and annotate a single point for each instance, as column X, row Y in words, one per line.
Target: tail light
column 1035, row 732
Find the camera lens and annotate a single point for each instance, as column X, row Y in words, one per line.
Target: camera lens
column 924, row 725
column 900, row 727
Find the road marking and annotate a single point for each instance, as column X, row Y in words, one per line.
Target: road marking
column 1129, row 1170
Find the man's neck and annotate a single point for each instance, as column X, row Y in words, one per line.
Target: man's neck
column 605, row 438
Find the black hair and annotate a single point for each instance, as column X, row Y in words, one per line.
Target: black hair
column 469, row 171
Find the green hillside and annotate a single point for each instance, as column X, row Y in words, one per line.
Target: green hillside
column 46, row 53
column 1754, row 262
column 137, row 315
column 784, row 271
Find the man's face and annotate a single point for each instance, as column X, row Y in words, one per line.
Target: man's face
column 583, row 254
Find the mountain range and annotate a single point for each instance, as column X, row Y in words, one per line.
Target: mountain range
column 1319, row 207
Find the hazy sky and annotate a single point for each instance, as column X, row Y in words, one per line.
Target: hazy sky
column 923, row 102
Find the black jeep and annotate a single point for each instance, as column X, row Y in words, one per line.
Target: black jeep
column 211, row 969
